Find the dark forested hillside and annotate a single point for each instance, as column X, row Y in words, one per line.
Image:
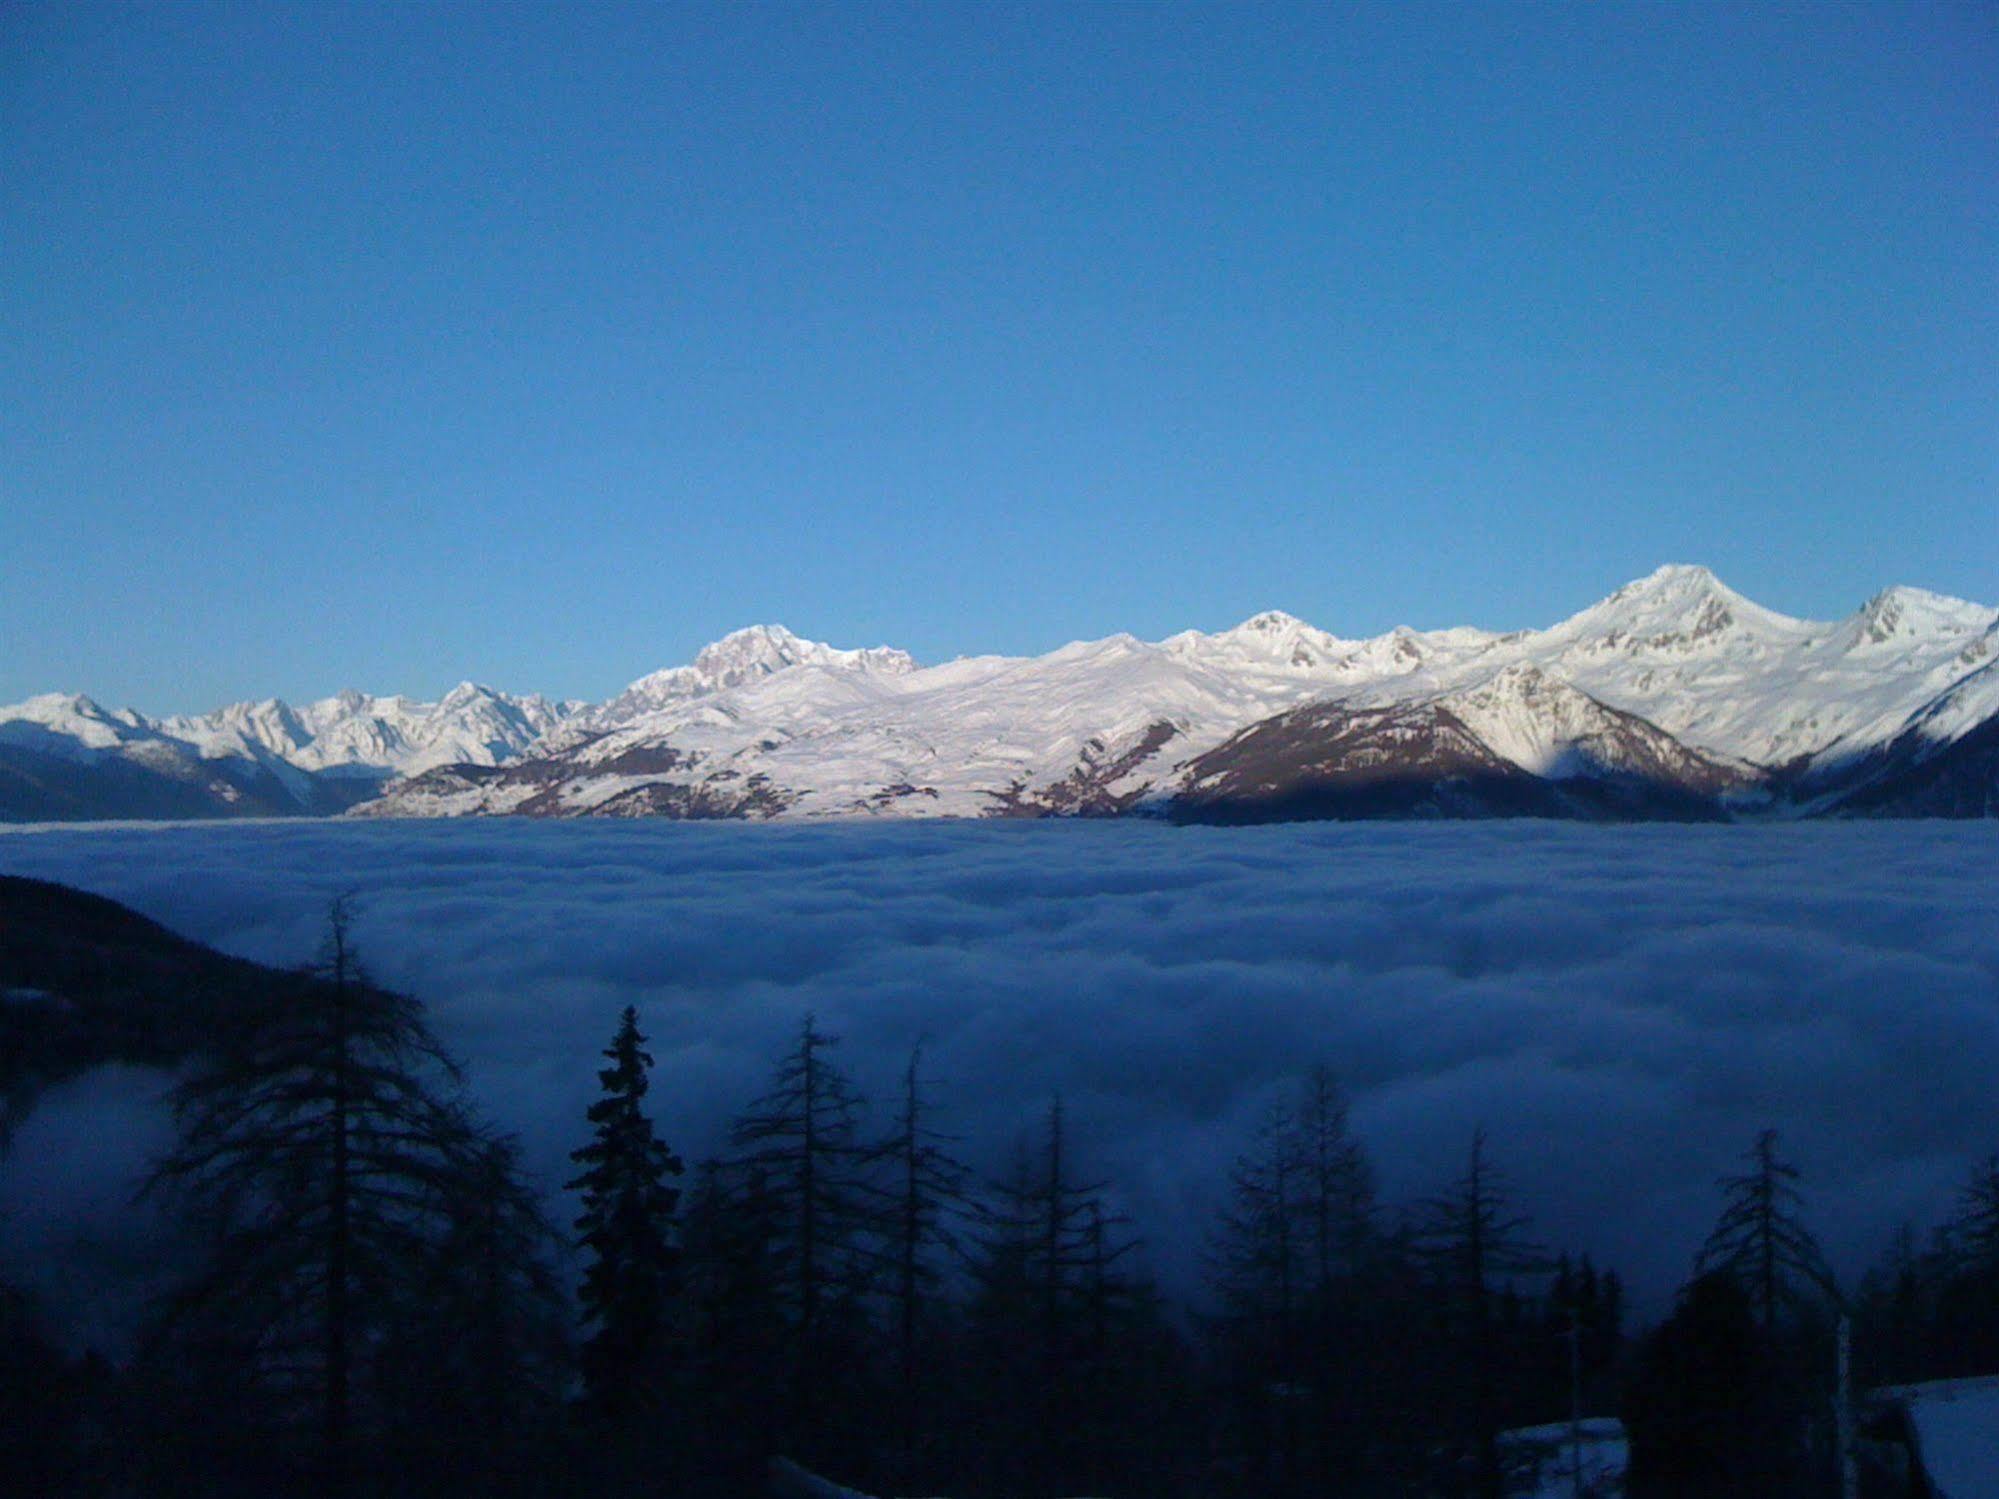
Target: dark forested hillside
column 87, row 981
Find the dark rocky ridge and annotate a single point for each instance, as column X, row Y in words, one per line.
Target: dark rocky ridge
column 1325, row 761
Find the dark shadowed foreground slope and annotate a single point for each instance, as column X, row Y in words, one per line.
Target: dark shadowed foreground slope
column 85, row 981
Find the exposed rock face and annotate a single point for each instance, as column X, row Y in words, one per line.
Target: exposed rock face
column 1091, row 788
column 1518, row 746
column 1326, row 760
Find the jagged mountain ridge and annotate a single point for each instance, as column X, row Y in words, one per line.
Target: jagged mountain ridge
column 1674, row 696
column 64, row 757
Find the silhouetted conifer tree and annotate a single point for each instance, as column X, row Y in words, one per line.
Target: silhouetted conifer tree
column 1051, row 1309
column 1894, row 1311
column 627, row 1228
column 475, row 1365
column 1971, row 1236
column 1287, row 1262
column 737, row 1342
column 322, row 1151
column 1474, row 1242
column 1966, row 1340
column 1259, row 1268
column 1586, row 1307
column 801, row 1168
column 1761, row 1238
column 927, row 1191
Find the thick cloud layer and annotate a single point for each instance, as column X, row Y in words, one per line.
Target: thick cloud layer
column 1621, row 1008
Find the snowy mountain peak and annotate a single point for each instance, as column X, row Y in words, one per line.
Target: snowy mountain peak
column 47, row 707
column 1270, row 622
column 65, row 724
column 739, row 659
column 72, row 716
column 464, row 695
column 1676, row 588
column 1672, row 682
column 1521, row 679
column 744, row 655
column 764, row 644
column 1677, row 610
column 756, row 650
column 1674, row 575
column 1269, row 639
column 1903, row 613
column 1551, row 728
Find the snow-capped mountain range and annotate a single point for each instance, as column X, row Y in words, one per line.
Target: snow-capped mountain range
column 1675, row 696
column 64, row 756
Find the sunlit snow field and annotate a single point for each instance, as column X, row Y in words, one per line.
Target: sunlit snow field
column 1621, row 1008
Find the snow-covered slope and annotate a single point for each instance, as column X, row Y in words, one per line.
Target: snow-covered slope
column 843, row 737
column 736, row 660
column 1673, row 695
column 1727, row 675
column 65, row 756
column 70, row 725
column 353, row 731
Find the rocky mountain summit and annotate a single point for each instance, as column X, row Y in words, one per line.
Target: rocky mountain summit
column 1674, row 697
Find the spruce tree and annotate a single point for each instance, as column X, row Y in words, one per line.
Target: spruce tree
column 1285, row 1262
column 1967, row 1312
column 627, row 1228
column 1475, row 1242
column 1761, row 1238
column 801, row 1168
column 323, row 1154
column 927, row 1194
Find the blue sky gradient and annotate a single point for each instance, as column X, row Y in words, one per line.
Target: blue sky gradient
column 385, row 345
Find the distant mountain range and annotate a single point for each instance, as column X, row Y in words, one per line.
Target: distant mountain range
column 1673, row 698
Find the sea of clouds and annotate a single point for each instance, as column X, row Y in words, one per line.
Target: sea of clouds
column 1621, row 1009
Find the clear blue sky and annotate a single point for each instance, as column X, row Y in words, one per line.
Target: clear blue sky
column 389, row 344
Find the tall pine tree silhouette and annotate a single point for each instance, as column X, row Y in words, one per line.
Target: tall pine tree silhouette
column 1286, row 1261
column 1761, row 1238
column 1475, row 1242
column 928, row 1193
column 803, row 1170
column 324, row 1150
column 627, row 1227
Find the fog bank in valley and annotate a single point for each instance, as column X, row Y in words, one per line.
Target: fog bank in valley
column 1621, row 1008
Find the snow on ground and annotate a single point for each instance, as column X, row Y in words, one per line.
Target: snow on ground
column 1547, row 1461
column 1957, row 1433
